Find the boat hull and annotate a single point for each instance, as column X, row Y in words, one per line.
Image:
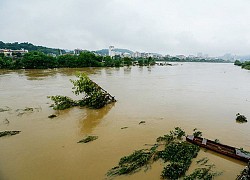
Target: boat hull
column 220, row 148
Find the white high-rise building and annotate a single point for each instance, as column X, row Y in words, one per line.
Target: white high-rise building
column 111, row 51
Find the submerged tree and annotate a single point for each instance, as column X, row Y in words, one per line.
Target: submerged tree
column 94, row 96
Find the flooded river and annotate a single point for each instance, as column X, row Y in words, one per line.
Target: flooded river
column 189, row 95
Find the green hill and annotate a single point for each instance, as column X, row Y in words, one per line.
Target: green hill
column 30, row 47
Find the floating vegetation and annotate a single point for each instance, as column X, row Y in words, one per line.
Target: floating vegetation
column 88, row 139
column 6, row 121
column 9, row 133
column 241, row 118
column 202, row 161
column 94, row 96
column 204, row 172
column 177, row 155
column 245, row 173
column 52, row 116
column 180, row 155
column 142, row 122
column 197, row 133
column 134, row 162
column 6, row 108
column 217, row 140
column 173, row 170
column 178, row 133
column 27, row 110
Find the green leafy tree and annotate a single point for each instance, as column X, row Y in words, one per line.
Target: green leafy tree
column 127, row 61
column 38, row 60
column 237, row 63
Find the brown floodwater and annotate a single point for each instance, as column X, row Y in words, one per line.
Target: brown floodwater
column 189, row 95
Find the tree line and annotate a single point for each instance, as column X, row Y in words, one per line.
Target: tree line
column 244, row 65
column 39, row 60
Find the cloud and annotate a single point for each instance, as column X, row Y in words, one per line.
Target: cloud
column 164, row 26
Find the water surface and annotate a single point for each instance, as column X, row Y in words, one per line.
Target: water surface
column 190, row 95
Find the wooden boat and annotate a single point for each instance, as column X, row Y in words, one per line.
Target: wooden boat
column 230, row 151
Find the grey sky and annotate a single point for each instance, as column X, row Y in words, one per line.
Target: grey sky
column 171, row 27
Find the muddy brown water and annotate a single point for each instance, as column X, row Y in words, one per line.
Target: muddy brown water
column 190, row 95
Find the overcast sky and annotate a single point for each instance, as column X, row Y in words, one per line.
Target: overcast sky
column 171, row 27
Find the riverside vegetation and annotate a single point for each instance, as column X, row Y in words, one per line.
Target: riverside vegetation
column 177, row 156
column 39, row 60
column 93, row 95
column 244, row 65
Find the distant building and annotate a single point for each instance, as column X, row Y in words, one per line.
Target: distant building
column 181, row 56
column 126, row 55
column 10, row 52
column 191, row 56
column 137, row 54
column 112, row 51
column 78, row 51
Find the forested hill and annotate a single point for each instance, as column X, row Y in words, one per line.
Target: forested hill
column 29, row 47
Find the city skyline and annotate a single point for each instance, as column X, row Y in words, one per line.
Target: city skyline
column 165, row 27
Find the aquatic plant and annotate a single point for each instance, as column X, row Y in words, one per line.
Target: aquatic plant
column 88, row 139
column 241, row 118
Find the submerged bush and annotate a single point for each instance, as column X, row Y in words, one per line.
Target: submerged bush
column 177, row 133
column 204, row 172
column 173, row 170
column 177, row 154
column 132, row 163
column 62, row 102
column 180, row 154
